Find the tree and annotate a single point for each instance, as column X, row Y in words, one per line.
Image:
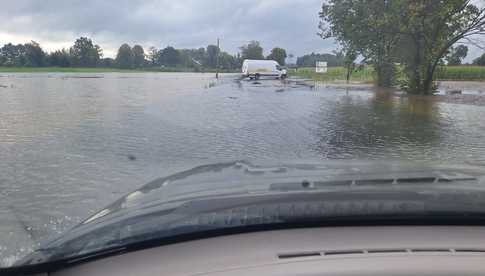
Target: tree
column 428, row 30
column 367, row 28
column 13, row 55
column 107, row 62
column 278, row 55
column 2, row 57
column 193, row 58
column 138, row 56
column 59, row 58
column 212, row 53
column 125, row 58
column 416, row 33
column 84, row 53
column 199, row 54
column 153, row 56
column 34, row 55
column 253, row 50
column 311, row 60
column 456, row 55
column 480, row 61
column 169, row 57
column 228, row 62
column 29, row 54
column 349, row 61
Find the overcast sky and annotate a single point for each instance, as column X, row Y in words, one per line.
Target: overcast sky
column 291, row 24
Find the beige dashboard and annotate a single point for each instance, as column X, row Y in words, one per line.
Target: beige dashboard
column 314, row 251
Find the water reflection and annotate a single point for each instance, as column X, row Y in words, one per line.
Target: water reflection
column 377, row 124
column 73, row 145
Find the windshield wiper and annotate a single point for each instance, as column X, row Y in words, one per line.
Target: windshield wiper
column 208, row 217
column 359, row 182
column 431, row 218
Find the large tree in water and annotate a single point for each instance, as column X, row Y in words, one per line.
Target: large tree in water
column 416, row 33
column 366, row 28
column 429, row 28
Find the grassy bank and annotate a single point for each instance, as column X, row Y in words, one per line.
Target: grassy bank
column 461, row 73
column 98, row 70
column 60, row 70
column 333, row 74
column 456, row 73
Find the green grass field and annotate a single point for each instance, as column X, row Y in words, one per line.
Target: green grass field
column 456, row 73
column 61, row 70
column 99, row 70
column 461, row 73
column 333, row 74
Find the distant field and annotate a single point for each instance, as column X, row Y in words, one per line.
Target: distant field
column 334, row 74
column 98, row 70
column 461, row 73
column 60, row 70
column 456, row 73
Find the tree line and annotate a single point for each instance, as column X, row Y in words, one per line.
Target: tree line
column 455, row 57
column 85, row 53
column 310, row 60
column 418, row 34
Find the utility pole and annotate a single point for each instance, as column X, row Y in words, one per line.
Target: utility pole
column 217, row 59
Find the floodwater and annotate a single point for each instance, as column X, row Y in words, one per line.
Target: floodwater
column 72, row 143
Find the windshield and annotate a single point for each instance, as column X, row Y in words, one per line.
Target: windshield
column 99, row 99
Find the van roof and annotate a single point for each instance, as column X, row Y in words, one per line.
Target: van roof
column 260, row 61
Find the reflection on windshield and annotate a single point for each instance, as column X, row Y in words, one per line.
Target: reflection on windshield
column 97, row 100
column 267, row 122
column 216, row 198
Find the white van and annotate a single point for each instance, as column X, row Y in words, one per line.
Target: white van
column 254, row 69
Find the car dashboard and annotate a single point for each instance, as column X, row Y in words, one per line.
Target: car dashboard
column 386, row 250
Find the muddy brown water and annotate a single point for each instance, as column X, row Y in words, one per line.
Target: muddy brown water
column 72, row 143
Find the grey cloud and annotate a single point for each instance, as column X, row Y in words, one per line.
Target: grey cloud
column 291, row 24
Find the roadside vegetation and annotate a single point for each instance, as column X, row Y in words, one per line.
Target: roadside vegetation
column 334, row 74
column 418, row 34
column 461, row 73
column 86, row 56
column 61, row 70
column 367, row 74
column 105, row 70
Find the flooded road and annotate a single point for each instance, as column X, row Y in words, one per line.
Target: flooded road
column 72, row 143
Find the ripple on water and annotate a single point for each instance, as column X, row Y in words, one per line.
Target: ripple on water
column 68, row 140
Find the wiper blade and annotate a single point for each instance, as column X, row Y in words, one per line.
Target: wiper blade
column 233, row 214
column 431, row 218
column 356, row 182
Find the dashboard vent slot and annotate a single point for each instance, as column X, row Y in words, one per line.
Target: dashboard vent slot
column 333, row 183
column 312, row 185
column 445, row 180
column 416, row 180
column 380, row 252
column 299, row 255
column 431, row 250
column 375, row 181
column 343, row 252
column 386, row 251
column 470, row 250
